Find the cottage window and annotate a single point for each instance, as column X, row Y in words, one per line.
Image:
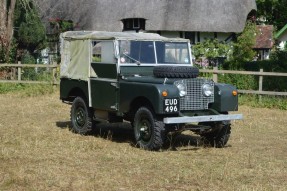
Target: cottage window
column 134, row 24
column 190, row 36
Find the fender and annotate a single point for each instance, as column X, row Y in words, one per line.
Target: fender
column 130, row 91
column 70, row 88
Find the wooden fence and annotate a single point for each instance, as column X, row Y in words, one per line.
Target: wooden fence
column 215, row 73
column 16, row 70
column 261, row 74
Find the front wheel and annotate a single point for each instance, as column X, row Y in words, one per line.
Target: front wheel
column 219, row 136
column 81, row 117
column 149, row 133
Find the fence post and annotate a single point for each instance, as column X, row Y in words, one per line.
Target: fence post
column 215, row 76
column 19, row 71
column 260, row 84
column 54, row 72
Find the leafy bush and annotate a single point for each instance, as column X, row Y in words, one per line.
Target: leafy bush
column 243, row 82
column 28, row 73
column 277, row 63
column 243, row 47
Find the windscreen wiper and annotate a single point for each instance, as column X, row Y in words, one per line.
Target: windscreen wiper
column 133, row 59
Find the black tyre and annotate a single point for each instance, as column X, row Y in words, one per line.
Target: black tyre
column 175, row 71
column 149, row 133
column 218, row 137
column 81, row 117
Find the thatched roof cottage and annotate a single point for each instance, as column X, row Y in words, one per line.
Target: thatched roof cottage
column 193, row 19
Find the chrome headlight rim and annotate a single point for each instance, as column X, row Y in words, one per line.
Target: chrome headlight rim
column 182, row 89
column 207, row 90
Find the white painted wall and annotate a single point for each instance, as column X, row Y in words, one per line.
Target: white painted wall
column 170, row 34
column 203, row 35
column 282, row 45
column 283, row 37
column 223, row 36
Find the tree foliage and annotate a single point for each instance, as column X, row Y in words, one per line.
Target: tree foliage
column 13, row 16
column 243, row 46
column 237, row 52
column 211, row 48
column 31, row 35
column 273, row 12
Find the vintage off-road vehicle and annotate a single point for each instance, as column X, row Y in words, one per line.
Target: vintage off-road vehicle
column 145, row 79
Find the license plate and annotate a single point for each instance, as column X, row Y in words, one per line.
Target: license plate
column 171, row 105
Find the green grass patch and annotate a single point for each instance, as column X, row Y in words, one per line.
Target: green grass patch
column 277, row 102
column 27, row 89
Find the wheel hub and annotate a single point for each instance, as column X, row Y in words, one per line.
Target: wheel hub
column 145, row 131
column 80, row 117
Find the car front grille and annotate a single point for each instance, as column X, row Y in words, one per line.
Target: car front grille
column 195, row 100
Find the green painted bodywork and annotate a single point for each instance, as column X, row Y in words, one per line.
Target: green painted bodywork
column 105, row 70
column 117, row 95
column 223, row 99
column 104, row 94
column 149, row 88
column 137, row 70
column 70, row 88
column 119, row 89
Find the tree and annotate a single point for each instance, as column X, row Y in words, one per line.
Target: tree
column 243, row 46
column 6, row 25
column 273, row 12
column 212, row 50
column 7, row 12
column 31, row 34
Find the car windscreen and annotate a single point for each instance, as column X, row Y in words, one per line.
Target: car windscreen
column 172, row 52
column 137, row 52
column 145, row 52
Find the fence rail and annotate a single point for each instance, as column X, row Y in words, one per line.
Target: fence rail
column 260, row 73
column 214, row 72
column 19, row 68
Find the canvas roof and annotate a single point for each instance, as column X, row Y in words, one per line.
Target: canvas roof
column 102, row 35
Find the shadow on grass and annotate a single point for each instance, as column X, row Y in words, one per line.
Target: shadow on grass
column 63, row 124
column 116, row 132
column 182, row 142
column 123, row 133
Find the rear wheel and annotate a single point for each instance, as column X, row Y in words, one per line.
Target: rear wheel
column 81, row 117
column 149, row 133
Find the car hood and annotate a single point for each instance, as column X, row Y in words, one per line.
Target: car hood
column 150, row 79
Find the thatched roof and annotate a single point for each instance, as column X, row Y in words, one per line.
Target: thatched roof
column 161, row 15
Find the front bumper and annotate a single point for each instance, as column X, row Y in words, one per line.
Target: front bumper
column 197, row 119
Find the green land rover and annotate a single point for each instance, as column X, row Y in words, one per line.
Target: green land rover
column 145, row 79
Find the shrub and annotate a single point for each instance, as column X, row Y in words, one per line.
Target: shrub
column 243, row 82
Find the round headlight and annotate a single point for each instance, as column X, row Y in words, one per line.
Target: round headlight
column 182, row 89
column 207, row 90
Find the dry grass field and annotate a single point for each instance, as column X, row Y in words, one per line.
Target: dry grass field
column 38, row 152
